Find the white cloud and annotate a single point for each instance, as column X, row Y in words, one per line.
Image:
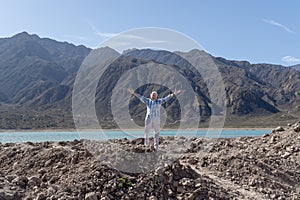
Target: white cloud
column 277, row 24
column 106, row 35
column 155, row 41
column 76, row 37
column 128, row 36
column 290, row 59
column 141, row 39
column 99, row 33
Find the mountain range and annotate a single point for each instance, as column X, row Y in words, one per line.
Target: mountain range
column 296, row 67
column 37, row 77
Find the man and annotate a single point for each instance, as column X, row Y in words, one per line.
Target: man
column 152, row 119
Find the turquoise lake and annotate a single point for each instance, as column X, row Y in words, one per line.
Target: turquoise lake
column 20, row 137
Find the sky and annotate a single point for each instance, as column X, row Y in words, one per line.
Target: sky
column 258, row 31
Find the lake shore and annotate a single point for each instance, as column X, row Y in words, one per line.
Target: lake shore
column 97, row 130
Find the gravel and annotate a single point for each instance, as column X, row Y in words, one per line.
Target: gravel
column 266, row 167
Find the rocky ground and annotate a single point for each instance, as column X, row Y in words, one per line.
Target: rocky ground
column 267, row 167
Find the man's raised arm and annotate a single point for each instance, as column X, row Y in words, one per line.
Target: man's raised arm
column 141, row 98
column 131, row 91
column 170, row 95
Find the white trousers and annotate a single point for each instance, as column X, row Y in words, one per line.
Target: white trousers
column 154, row 123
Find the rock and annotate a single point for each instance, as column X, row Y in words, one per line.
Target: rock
column 273, row 139
column 192, row 161
column 290, row 149
column 278, row 129
column 198, row 185
column 40, row 196
column 153, row 198
column 44, row 185
column 34, row 181
column 159, row 170
column 180, row 189
column 10, row 178
column 45, row 178
column 53, row 179
column 49, row 162
column 296, row 128
column 120, row 193
column 87, row 154
column 175, row 184
column 266, row 135
column 185, row 182
column 52, row 189
column 170, row 193
column 252, row 182
column 52, row 197
column 286, row 154
column 10, row 196
column 91, row 196
column 41, row 171
column 21, row 181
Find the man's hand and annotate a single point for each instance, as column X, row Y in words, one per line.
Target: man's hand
column 131, row 91
column 176, row 92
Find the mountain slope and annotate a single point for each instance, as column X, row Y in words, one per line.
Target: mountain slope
column 296, row 67
column 31, row 65
column 276, row 87
column 38, row 74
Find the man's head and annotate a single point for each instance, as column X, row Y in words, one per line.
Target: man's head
column 153, row 95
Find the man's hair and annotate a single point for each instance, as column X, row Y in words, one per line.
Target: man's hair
column 153, row 92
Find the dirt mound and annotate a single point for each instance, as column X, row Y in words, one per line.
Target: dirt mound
column 267, row 167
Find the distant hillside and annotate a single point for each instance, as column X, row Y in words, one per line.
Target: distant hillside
column 33, row 69
column 296, row 67
column 37, row 76
column 252, row 90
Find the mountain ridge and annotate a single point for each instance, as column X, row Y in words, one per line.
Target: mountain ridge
column 296, row 67
column 39, row 73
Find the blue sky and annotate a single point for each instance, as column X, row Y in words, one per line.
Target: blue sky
column 258, row 31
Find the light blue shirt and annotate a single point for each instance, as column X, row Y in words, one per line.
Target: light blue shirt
column 153, row 106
